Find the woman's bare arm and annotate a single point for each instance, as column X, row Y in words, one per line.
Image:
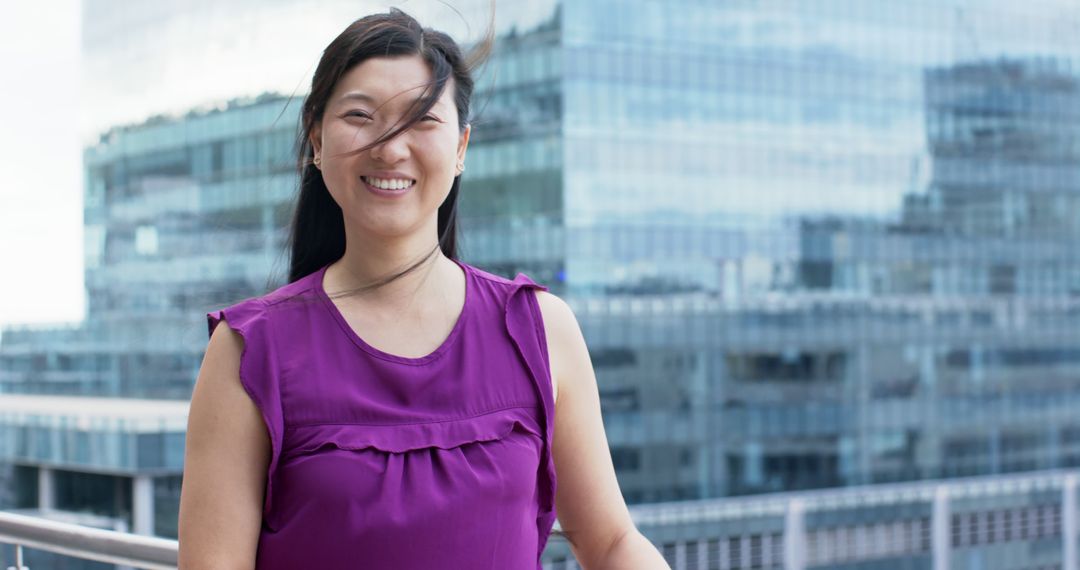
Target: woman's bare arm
column 589, row 504
column 226, row 455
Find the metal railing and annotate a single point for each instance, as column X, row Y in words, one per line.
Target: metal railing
column 931, row 521
column 87, row 543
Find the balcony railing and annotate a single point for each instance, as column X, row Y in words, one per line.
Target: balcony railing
column 84, row 542
column 1035, row 516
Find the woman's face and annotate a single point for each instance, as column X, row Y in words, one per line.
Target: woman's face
column 369, row 100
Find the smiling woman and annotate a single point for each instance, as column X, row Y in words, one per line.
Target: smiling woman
column 349, row 419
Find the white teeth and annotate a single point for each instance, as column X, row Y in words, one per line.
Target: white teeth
column 394, row 184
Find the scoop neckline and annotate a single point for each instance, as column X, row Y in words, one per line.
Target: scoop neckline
column 455, row 332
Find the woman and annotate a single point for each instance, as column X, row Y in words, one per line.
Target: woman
column 419, row 421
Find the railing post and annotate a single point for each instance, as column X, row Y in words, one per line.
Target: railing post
column 939, row 528
column 1068, row 519
column 142, row 497
column 46, row 489
column 795, row 535
column 18, row 559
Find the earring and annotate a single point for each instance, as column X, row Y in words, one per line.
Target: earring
column 461, row 167
column 316, row 161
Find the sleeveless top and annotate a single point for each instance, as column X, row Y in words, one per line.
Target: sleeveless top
column 383, row 461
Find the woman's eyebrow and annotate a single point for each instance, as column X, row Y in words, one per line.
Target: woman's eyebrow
column 360, row 96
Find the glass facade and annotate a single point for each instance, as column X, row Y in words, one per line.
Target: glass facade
column 824, row 242
column 180, row 216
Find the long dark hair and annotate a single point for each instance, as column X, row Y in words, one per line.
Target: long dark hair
column 317, row 231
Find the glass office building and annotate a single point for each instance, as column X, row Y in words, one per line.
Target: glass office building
column 811, row 243
column 824, row 243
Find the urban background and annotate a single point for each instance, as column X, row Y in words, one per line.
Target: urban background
column 823, row 253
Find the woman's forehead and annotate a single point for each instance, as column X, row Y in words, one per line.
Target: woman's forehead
column 390, row 81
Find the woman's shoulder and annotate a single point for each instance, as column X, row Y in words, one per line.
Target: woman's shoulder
column 252, row 311
column 506, row 286
column 492, row 278
column 555, row 315
column 562, row 332
column 302, row 288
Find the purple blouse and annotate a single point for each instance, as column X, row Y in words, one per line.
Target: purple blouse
column 383, row 461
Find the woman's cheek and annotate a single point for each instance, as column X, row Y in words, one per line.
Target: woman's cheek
column 347, row 138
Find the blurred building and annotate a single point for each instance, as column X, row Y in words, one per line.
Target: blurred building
column 811, row 244
column 181, row 216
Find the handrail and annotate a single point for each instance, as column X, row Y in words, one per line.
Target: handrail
column 138, row 551
column 155, row 553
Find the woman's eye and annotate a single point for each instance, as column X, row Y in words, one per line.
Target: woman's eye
column 431, row 118
column 359, row 114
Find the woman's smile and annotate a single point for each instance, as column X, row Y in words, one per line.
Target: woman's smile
column 388, row 188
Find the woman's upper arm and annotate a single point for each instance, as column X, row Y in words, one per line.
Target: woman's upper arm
column 589, row 504
column 227, row 450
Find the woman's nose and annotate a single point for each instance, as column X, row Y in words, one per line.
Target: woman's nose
column 391, row 151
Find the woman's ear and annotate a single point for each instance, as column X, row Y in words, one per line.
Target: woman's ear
column 315, row 138
column 463, row 143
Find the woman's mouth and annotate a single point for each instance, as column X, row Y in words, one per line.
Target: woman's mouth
column 389, row 188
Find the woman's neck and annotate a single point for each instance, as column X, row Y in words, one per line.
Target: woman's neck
column 427, row 284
